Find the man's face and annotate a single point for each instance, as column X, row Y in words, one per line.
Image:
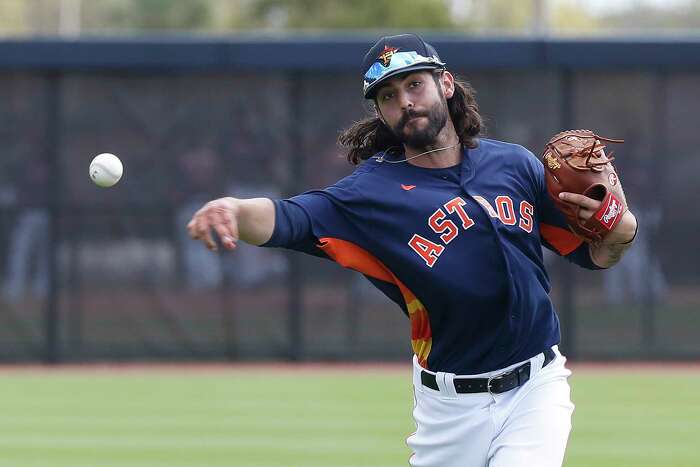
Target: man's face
column 414, row 107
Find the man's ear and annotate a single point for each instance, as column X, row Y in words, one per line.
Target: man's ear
column 447, row 81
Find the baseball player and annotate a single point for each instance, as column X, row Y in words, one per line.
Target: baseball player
column 450, row 226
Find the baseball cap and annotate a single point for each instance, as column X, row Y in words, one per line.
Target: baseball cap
column 392, row 55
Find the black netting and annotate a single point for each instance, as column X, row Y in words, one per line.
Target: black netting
column 128, row 283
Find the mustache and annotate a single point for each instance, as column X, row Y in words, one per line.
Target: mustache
column 409, row 114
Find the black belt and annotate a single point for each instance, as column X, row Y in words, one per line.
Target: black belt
column 511, row 379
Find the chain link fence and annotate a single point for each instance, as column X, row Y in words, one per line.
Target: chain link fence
column 93, row 274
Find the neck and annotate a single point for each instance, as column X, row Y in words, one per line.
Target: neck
column 448, row 157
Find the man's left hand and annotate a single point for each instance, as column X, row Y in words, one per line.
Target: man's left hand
column 623, row 231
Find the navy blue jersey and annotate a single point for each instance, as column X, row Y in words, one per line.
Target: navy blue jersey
column 459, row 249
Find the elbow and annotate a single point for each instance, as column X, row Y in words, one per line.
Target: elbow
column 606, row 256
column 601, row 263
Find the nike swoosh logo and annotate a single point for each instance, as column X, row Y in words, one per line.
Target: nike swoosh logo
column 407, row 187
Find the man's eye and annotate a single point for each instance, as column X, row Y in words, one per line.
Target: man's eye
column 415, row 83
column 386, row 97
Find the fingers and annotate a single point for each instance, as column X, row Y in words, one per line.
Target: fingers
column 200, row 229
column 580, row 200
column 217, row 216
column 587, row 206
column 585, row 214
column 224, row 225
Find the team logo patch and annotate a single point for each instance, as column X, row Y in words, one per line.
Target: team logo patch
column 552, row 163
column 609, row 214
column 387, row 53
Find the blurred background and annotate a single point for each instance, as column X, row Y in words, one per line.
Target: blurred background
column 207, row 98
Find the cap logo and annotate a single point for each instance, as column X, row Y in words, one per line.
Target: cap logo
column 386, row 55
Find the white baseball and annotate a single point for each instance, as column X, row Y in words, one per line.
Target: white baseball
column 106, row 169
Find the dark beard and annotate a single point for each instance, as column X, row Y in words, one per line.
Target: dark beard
column 419, row 139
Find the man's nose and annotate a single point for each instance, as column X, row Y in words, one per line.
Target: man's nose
column 405, row 101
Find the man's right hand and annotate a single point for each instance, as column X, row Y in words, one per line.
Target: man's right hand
column 220, row 215
column 249, row 220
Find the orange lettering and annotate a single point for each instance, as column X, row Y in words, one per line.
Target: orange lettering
column 526, row 212
column 426, row 249
column 456, row 205
column 482, row 201
column 505, row 210
column 443, row 226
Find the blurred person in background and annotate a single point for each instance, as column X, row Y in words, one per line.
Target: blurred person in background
column 201, row 174
column 638, row 277
column 251, row 266
column 27, row 267
column 447, row 224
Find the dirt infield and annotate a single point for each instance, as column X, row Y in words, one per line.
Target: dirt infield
column 315, row 367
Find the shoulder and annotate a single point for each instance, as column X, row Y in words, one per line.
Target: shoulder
column 511, row 151
column 362, row 174
column 368, row 166
column 511, row 155
column 351, row 188
column 371, row 173
column 512, row 161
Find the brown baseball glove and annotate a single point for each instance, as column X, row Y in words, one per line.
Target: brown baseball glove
column 575, row 161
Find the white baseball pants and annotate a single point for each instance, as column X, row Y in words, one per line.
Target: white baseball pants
column 526, row 426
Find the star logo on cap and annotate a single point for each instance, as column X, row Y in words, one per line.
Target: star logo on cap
column 386, row 55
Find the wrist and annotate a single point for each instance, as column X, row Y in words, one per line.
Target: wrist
column 234, row 205
column 625, row 232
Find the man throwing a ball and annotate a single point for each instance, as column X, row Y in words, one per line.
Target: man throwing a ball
column 450, row 226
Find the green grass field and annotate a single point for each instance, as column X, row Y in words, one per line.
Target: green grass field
column 267, row 417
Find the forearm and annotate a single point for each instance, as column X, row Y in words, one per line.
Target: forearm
column 256, row 219
column 609, row 252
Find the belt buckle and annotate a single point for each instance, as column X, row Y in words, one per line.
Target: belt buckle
column 492, row 378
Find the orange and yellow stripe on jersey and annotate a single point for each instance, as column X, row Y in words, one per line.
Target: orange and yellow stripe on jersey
column 353, row 257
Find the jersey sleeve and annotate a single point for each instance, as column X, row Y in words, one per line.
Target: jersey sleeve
column 292, row 229
column 554, row 231
column 301, row 221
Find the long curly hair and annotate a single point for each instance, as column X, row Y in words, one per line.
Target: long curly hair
column 370, row 136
